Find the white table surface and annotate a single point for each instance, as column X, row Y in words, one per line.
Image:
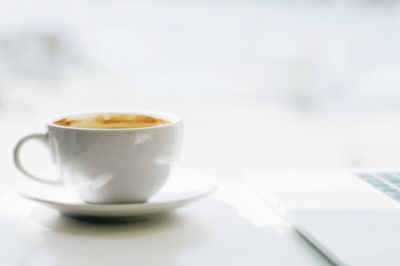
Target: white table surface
column 232, row 227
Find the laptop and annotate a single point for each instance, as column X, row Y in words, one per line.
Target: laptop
column 352, row 217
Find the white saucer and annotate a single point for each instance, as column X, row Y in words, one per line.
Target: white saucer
column 183, row 187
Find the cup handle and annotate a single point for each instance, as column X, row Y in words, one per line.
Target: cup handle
column 38, row 136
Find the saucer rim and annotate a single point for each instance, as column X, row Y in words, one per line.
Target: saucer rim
column 126, row 206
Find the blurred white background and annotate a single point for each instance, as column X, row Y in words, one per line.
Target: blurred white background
column 262, row 85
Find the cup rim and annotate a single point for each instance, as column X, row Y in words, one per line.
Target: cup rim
column 173, row 118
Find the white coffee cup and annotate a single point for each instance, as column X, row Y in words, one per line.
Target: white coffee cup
column 111, row 165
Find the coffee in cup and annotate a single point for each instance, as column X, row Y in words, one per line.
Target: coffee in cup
column 109, row 121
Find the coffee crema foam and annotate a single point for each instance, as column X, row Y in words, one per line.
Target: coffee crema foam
column 113, row 121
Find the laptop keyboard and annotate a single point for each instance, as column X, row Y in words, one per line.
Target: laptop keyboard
column 385, row 182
